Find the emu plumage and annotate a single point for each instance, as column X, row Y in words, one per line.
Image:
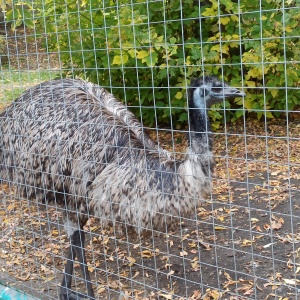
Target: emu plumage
column 74, row 143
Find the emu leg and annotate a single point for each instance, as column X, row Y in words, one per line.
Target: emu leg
column 78, row 239
column 76, row 248
column 65, row 290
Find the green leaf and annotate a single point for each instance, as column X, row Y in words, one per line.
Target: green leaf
column 249, row 102
column 183, row 117
column 216, row 48
column 28, row 23
column 172, row 40
column 239, row 113
column 159, row 103
column 142, row 54
column 228, row 4
column 274, row 92
column 12, row 14
column 16, row 24
column 234, row 18
column 120, row 59
column 28, row 3
column 178, row 95
column 151, row 60
column 250, row 83
column 132, row 52
column 210, row 12
column 224, row 20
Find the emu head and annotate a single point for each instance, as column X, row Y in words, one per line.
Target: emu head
column 208, row 90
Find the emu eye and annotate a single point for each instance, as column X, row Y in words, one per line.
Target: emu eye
column 217, row 89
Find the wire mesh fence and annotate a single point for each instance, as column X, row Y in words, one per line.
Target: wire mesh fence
column 195, row 196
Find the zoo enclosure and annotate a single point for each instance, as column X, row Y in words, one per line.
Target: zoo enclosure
column 243, row 241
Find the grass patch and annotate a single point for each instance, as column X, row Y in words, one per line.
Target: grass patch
column 14, row 82
column 19, row 76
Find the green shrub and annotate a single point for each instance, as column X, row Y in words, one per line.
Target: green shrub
column 18, row 12
column 145, row 51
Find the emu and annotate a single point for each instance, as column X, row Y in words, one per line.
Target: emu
column 73, row 143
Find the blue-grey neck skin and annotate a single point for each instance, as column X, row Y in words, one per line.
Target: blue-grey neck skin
column 199, row 121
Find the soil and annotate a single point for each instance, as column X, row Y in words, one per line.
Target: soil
column 242, row 243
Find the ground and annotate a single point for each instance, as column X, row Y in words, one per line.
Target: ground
column 242, row 243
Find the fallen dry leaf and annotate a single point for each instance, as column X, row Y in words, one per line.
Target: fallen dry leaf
column 147, row 254
column 131, row 260
column 220, row 228
column 290, row 281
column 166, row 296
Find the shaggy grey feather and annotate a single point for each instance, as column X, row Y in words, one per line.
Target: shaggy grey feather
column 73, row 143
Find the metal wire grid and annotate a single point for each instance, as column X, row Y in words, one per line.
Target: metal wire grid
column 204, row 256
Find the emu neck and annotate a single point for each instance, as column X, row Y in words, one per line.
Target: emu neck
column 199, row 137
column 198, row 165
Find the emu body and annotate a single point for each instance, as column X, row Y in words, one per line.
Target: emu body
column 73, row 143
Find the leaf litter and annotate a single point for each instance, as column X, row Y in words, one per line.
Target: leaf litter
column 243, row 243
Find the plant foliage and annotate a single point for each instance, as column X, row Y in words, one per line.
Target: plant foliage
column 18, row 12
column 144, row 51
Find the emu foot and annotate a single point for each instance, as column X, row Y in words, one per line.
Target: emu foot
column 70, row 295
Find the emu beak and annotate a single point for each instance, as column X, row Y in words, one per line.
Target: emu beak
column 230, row 92
column 226, row 92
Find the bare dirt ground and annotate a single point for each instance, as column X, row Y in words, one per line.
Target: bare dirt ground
column 243, row 243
